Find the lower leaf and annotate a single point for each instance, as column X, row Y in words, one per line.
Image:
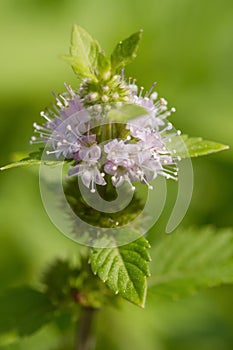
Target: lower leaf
column 24, row 310
column 124, row 269
column 186, row 262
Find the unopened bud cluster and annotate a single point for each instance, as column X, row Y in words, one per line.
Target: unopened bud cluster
column 106, row 91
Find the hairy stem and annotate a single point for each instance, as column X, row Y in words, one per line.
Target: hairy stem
column 84, row 339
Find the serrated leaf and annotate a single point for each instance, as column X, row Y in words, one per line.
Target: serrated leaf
column 24, row 310
column 194, row 146
column 126, row 51
column 124, row 269
column 84, row 52
column 186, row 262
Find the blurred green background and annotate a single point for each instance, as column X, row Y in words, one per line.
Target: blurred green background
column 188, row 49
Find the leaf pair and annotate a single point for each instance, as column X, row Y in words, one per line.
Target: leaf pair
column 89, row 61
column 184, row 263
column 185, row 146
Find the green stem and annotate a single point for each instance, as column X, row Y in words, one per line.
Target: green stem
column 84, row 339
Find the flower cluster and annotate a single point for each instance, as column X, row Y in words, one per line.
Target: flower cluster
column 73, row 130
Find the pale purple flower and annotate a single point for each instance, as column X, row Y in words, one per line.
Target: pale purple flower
column 65, row 125
column 88, row 168
column 156, row 108
column 141, row 157
column 138, row 161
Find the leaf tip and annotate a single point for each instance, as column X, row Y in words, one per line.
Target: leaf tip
column 142, row 304
column 225, row 147
column 141, row 31
column 75, row 26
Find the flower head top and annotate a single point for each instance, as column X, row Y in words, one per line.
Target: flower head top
column 78, row 126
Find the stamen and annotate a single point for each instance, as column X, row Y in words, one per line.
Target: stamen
column 92, row 186
column 154, row 96
column 163, row 101
column 168, row 127
column 64, row 100
column 55, row 113
column 52, row 152
column 42, row 134
column 40, row 127
column 141, row 90
column 42, row 113
column 143, row 179
column 151, row 89
column 69, row 89
column 68, row 127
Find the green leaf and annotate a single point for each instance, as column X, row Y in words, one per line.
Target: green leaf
column 124, row 269
column 194, row 146
column 84, row 51
column 34, row 158
column 24, row 310
column 21, row 163
column 126, row 51
column 186, row 262
column 104, row 65
column 126, row 112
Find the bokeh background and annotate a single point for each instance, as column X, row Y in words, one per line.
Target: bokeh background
column 188, row 49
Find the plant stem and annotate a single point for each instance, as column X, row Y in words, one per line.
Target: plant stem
column 84, row 339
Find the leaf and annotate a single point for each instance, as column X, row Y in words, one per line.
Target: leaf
column 194, row 146
column 30, row 162
column 126, row 112
column 124, row 269
column 126, row 51
column 24, row 310
column 34, row 158
column 186, row 262
column 84, row 51
column 104, row 65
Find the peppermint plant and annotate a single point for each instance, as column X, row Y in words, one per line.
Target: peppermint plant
column 112, row 139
